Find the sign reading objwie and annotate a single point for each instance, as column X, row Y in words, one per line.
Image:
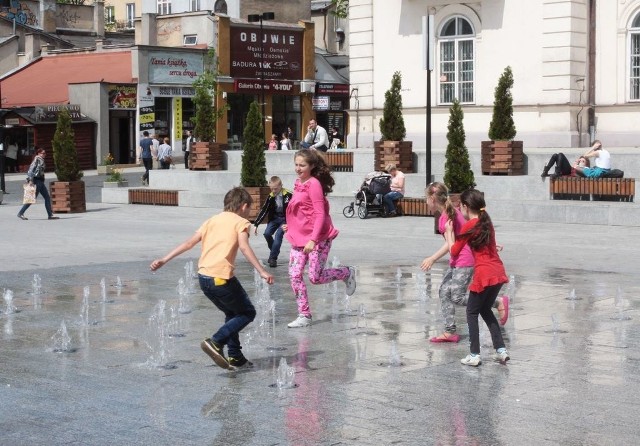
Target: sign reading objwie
column 282, row 57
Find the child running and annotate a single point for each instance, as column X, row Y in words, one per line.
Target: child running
column 488, row 276
column 454, row 288
column 275, row 207
column 221, row 236
column 310, row 231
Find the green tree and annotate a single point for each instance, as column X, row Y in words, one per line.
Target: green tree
column 206, row 89
column 254, row 170
column 341, row 8
column 458, row 175
column 65, row 156
column 502, row 127
column 392, row 123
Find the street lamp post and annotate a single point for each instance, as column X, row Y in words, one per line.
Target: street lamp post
column 252, row 18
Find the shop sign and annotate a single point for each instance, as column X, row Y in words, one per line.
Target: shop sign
column 49, row 113
column 174, row 91
column 270, row 86
column 332, row 89
column 12, row 121
column 122, row 97
column 174, row 68
column 146, row 109
column 278, row 55
column 320, row 103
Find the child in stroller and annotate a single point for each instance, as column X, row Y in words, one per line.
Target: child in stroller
column 369, row 196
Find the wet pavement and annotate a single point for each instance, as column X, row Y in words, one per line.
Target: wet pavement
column 365, row 373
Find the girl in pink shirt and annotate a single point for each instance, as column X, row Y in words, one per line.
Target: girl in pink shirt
column 454, row 288
column 310, row 231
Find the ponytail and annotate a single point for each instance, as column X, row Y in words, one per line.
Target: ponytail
column 480, row 235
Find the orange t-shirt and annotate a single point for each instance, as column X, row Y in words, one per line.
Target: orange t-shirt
column 220, row 244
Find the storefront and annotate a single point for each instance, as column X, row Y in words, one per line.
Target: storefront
column 272, row 66
column 330, row 102
column 31, row 127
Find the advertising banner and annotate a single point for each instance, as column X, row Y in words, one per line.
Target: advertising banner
column 123, row 97
column 174, row 68
column 146, row 109
column 278, row 55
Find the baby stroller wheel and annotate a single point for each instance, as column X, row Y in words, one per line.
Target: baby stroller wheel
column 349, row 211
column 362, row 210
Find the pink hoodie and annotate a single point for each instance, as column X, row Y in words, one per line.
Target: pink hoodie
column 308, row 214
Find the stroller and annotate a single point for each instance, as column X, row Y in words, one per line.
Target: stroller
column 369, row 197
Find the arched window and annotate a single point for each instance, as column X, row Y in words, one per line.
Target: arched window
column 220, row 6
column 457, row 61
column 634, row 59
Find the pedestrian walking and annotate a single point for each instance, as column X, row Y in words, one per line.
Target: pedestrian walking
column 275, row 208
column 35, row 176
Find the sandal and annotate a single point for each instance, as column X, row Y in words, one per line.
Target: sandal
column 504, row 314
column 444, row 337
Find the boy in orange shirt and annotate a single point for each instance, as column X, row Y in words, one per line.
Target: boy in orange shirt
column 221, row 236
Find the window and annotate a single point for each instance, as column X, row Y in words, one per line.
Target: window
column 220, row 6
column 191, row 39
column 164, row 7
column 194, row 5
column 109, row 14
column 634, row 59
column 457, row 61
column 131, row 14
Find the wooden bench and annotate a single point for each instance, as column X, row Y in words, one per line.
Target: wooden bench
column 156, row 197
column 416, row 207
column 578, row 188
column 339, row 161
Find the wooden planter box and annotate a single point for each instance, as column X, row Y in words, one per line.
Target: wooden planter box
column 68, row 196
column 399, row 153
column 206, row 156
column 502, row 158
column 259, row 195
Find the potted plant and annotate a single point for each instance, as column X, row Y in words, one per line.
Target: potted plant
column 502, row 155
column 68, row 192
column 115, row 179
column 392, row 147
column 206, row 154
column 106, row 165
column 253, row 173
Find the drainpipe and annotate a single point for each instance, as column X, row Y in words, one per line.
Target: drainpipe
column 591, row 77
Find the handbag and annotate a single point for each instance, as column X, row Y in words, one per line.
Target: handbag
column 168, row 160
column 29, row 193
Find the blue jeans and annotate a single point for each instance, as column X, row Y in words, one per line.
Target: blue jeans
column 274, row 243
column 388, row 200
column 41, row 189
column 238, row 310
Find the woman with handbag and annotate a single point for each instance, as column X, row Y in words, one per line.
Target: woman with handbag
column 35, row 176
column 164, row 154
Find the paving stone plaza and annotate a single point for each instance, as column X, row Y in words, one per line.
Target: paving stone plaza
column 364, row 373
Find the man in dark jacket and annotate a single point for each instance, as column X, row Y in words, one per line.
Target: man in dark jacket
column 275, row 206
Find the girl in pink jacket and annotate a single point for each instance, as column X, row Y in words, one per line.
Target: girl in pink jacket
column 310, row 231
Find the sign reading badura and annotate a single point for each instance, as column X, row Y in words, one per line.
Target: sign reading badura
column 174, row 68
column 270, row 54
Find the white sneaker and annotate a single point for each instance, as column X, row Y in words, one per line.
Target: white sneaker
column 350, row 281
column 472, row 360
column 301, row 321
column 502, row 357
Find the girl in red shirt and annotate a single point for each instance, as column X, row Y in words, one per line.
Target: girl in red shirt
column 488, row 276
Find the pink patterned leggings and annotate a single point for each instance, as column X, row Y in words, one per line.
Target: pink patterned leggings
column 317, row 272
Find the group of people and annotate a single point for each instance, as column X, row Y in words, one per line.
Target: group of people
column 150, row 149
column 302, row 216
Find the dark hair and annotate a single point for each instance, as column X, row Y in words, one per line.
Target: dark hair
column 319, row 168
column 235, row 198
column 145, row 133
column 586, row 161
column 480, row 235
column 440, row 194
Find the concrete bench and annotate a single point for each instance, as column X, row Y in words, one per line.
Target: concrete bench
column 157, row 197
column 578, row 188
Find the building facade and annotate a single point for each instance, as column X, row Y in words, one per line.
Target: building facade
column 576, row 68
